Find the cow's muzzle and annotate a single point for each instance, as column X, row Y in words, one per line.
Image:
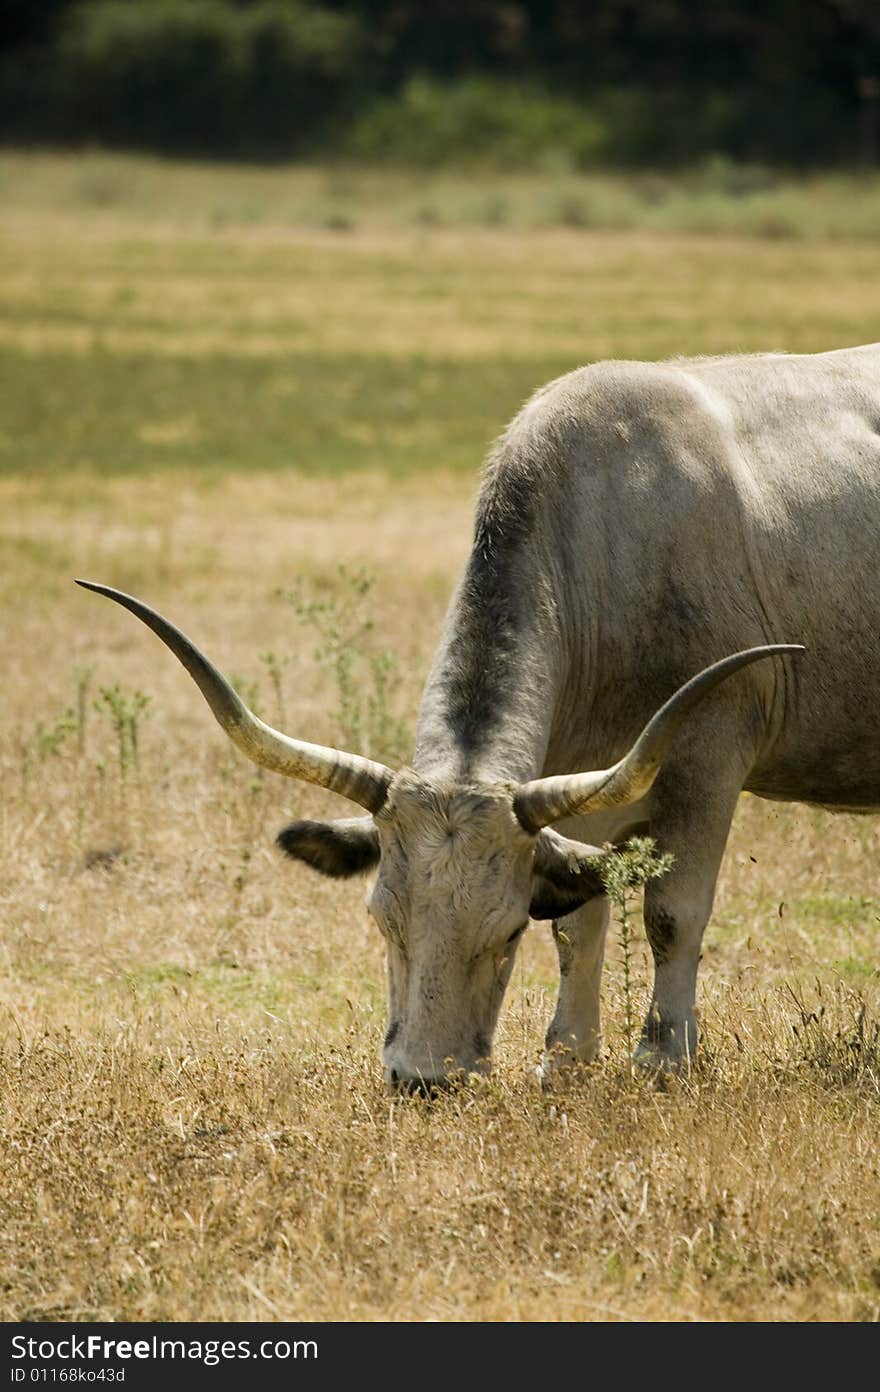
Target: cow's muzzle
column 419, row 1086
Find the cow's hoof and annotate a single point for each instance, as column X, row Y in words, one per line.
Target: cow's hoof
column 561, row 1068
column 651, row 1061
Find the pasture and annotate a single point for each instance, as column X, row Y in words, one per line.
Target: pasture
column 270, row 428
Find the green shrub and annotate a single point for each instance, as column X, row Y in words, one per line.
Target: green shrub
column 477, row 120
column 206, row 77
column 514, row 85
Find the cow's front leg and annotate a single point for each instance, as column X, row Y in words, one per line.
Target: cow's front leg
column 675, row 932
column 575, row 1031
column 677, row 908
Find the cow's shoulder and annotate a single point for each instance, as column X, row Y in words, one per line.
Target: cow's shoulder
column 606, row 396
column 614, row 417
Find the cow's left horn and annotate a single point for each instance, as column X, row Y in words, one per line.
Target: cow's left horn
column 546, row 800
column 362, row 780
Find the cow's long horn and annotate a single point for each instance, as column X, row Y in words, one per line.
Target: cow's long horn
column 545, row 800
column 362, row 780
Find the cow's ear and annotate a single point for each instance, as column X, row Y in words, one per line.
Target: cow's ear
column 349, row 846
column 548, row 901
column 566, row 875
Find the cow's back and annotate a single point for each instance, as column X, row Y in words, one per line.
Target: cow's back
column 704, row 505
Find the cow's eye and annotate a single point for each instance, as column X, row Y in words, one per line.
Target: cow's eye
column 384, row 908
column 391, row 933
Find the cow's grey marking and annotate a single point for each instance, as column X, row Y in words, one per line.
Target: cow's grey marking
column 482, row 1045
column 478, row 682
column 660, row 932
column 637, row 521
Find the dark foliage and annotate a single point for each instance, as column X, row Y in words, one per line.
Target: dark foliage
column 793, row 81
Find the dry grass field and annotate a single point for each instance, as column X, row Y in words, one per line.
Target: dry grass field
column 193, row 1123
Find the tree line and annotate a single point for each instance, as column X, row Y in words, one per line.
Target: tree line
column 662, row 82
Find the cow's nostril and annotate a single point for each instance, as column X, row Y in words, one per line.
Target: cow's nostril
column 420, row 1086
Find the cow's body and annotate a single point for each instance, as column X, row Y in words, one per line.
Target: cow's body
column 636, row 523
column 639, row 521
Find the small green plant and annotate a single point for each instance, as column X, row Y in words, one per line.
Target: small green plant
column 125, row 713
column 364, row 676
column 623, row 872
column 48, row 740
column 44, row 743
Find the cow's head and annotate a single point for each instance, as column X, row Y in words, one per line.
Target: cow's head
column 460, row 869
column 458, row 876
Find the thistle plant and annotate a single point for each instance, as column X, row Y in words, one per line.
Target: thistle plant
column 45, row 742
column 365, row 678
column 623, row 872
column 125, row 712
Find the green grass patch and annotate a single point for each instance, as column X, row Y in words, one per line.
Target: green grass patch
column 401, row 341
column 836, row 910
column 716, row 195
column 857, row 972
column 31, row 555
column 251, row 993
column 117, row 414
column 805, row 911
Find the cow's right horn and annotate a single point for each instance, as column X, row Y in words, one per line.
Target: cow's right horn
column 546, row 800
column 362, row 780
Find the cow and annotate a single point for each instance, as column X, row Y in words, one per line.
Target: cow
column 635, row 523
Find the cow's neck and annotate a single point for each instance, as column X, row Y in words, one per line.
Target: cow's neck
column 487, row 710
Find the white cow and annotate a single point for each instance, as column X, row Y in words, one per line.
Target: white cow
column 636, row 522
